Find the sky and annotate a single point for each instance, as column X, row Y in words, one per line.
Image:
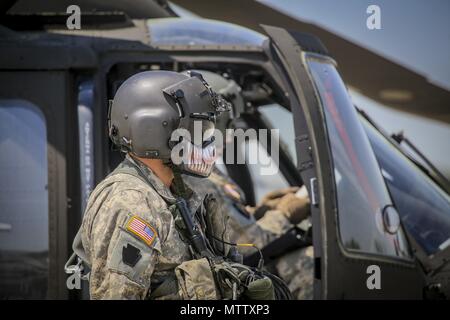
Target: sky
column 414, row 33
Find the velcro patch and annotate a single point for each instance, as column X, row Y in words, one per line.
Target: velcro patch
column 142, row 230
column 131, row 255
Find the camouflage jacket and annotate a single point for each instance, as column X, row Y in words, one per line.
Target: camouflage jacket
column 129, row 235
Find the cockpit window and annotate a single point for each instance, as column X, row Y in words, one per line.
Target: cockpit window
column 186, row 31
column 362, row 195
column 423, row 206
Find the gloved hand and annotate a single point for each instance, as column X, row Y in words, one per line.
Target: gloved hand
column 295, row 208
column 271, row 199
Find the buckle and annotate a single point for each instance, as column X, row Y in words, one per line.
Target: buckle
column 78, row 268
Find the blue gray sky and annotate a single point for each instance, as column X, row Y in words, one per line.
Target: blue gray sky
column 414, row 33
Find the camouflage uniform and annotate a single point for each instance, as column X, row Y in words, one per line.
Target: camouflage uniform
column 295, row 267
column 126, row 264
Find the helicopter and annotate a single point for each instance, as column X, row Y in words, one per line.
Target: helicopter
column 56, row 84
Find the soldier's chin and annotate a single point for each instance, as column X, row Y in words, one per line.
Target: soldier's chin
column 202, row 170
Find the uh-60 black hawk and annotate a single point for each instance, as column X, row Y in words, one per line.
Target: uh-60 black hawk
column 373, row 207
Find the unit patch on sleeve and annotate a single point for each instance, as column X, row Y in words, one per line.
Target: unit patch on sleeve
column 130, row 255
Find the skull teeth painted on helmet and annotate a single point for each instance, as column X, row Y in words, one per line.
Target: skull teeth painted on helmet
column 199, row 160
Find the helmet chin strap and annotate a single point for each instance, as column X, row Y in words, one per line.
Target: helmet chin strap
column 178, row 185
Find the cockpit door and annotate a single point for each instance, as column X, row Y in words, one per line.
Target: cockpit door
column 360, row 249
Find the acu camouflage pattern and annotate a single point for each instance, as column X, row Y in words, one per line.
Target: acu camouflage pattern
column 296, row 268
column 113, row 202
column 196, row 281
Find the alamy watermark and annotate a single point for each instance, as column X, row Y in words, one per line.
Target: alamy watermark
column 373, row 282
column 73, row 22
column 242, row 147
column 373, row 21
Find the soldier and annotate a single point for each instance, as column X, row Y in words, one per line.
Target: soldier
column 295, row 266
column 279, row 210
column 145, row 234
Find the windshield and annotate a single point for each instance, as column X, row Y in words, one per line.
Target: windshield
column 186, row 31
column 424, row 207
column 362, row 195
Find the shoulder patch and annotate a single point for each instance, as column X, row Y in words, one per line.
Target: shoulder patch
column 141, row 229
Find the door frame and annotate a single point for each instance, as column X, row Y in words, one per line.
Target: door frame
column 339, row 274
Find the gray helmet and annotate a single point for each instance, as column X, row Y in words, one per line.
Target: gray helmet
column 150, row 105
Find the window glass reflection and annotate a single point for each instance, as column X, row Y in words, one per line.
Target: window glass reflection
column 361, row 192
column 23, row 201
column 424, row 208
column 186, row 31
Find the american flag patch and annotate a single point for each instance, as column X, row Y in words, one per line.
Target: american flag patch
column 141, row 229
